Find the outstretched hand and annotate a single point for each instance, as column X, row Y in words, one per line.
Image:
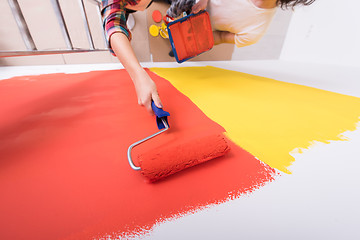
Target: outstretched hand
column 145, row 87
column 146, row 92
column 200, row 5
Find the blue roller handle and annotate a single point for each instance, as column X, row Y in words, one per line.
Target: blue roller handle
column 160, row 114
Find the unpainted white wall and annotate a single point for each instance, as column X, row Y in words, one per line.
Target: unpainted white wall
column 326, row 32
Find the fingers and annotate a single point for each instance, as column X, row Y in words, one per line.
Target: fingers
column 147, row 104
column 196, row 8
column 147, row 92
column 200, row 5
column 156, row 99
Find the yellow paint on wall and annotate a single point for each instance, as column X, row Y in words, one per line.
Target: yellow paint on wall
column 268, row 118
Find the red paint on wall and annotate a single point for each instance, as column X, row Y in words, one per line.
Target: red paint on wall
column 175, row 156
column 63, row 167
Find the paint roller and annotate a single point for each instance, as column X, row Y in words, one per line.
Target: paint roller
column 158, row 163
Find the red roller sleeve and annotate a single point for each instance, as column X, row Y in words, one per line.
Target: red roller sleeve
column 160, row 163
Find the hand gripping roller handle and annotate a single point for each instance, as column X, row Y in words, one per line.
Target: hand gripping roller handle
column 162, row 123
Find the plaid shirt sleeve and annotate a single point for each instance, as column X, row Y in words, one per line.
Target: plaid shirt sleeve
column 114, row 18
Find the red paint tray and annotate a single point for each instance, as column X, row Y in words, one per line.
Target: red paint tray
column 190, row 36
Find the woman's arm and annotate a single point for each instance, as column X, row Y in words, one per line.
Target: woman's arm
column 119, row 36
column 223, row 37
column 145, row 87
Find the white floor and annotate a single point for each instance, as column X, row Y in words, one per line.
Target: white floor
column 318, row 201
column 335, row 78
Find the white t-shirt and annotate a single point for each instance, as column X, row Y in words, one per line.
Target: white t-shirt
column 242, row 17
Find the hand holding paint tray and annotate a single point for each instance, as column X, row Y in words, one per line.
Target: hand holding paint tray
column 157, row 164
column 190, row 36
